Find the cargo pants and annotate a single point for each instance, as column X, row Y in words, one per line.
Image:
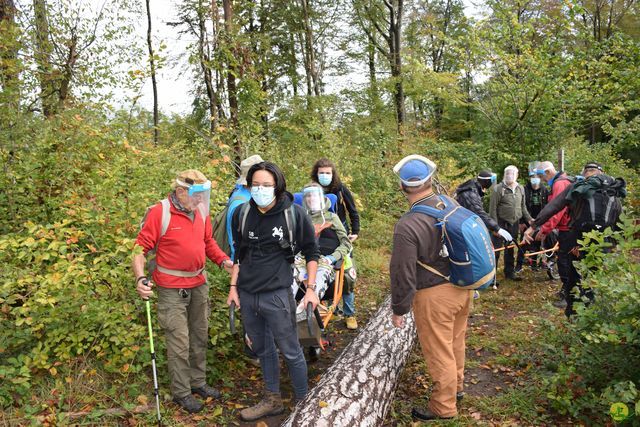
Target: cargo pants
column 184, row 316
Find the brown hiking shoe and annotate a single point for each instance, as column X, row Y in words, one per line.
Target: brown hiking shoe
column 271, row 404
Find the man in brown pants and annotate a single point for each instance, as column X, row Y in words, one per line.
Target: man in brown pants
column 440, row 309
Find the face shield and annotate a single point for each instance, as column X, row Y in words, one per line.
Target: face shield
column 313, row 199
column 510, row 175
column 414, row 170
column 198, row 195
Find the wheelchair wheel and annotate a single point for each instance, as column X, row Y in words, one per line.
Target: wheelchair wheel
column 313, row 353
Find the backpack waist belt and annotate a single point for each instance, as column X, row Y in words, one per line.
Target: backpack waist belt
column 180, row 273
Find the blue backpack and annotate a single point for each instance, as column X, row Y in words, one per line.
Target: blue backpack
column 468, row 243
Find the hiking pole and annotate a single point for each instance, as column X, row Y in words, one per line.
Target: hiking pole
column 232, row 317
column 153, row 357
column 310, row 318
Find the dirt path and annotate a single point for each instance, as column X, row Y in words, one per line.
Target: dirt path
column 503, row 346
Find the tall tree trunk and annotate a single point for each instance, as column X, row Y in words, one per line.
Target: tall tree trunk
column 310, row 48
column 305, row 61
column 293, row 66
column 9, row 47
column 231, row 79
column 357, row 390
column 43, row 59
column 205, row 64
column 154, row 84
column 69, row 67
column 395, row 45
column 373, row 80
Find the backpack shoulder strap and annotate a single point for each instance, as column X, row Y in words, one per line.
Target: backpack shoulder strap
column 166, row 216
column 244, row 212
column 434, row 212
column 290, row 219
column 432, row 270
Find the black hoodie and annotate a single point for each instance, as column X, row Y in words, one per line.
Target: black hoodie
column 263, row 262
column 469, row 195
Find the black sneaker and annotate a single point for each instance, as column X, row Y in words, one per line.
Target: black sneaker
column 513, row 277
column 189, row 404
column 205, row 392
column 426, row 415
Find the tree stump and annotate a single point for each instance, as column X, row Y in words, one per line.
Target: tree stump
column 358, row 388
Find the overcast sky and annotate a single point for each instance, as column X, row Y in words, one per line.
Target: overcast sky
column 175, row 79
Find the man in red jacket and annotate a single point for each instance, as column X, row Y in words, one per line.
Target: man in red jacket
column 179, row 230
column 558, row 181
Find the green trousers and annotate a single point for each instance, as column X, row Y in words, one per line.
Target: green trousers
column 184, row 316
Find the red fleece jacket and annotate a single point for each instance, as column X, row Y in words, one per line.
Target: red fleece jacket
column 183, row 247
column 561, row 219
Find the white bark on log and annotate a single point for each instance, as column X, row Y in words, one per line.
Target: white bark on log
column 357, row 390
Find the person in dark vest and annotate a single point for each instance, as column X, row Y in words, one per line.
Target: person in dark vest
column 536, row 196
column 593, row 204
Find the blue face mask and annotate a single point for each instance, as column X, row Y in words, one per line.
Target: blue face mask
column 263, row 196
column 325, row 179
column 535, row 181
column 579, row 178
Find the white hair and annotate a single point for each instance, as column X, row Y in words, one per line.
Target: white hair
column 547, row 166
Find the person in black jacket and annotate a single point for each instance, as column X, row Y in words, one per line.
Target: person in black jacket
column 536, row 196
column 267, row 232
column 324, row 172
column 469, row 195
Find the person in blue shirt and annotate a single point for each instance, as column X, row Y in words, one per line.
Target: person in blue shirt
column 240, row 194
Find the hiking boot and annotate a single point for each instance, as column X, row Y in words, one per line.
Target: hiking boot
column 271, row 404
column 460, row 395
column 205, row 392
column 426, row 415
column 189, row 404
column 560, row 303
column 512, row 276
column 352, row 323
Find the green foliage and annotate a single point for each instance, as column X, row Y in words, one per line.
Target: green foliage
column 66, row 289
column 599, row 365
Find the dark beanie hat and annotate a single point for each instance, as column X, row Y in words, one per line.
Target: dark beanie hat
column 485, row 174
column 593, row 165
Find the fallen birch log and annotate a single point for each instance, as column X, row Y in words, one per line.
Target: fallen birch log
column 357, row 390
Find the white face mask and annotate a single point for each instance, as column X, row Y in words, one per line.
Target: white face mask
column 324, row 179
column 263, row 196
column 535, row 181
